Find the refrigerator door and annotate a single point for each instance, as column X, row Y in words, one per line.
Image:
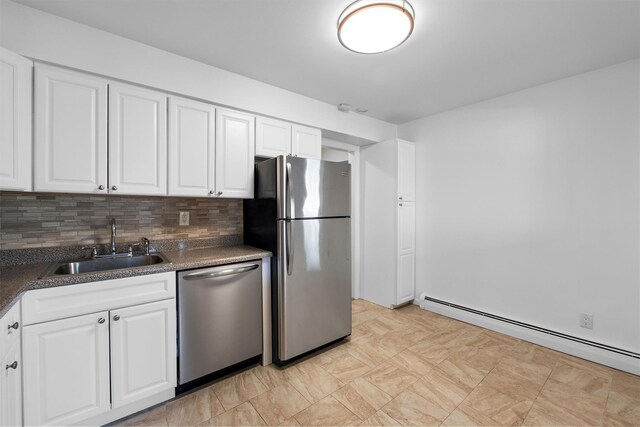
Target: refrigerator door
column 315, row 188
column 314, row 284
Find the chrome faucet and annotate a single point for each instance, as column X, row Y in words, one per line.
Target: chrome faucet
column 113, row 236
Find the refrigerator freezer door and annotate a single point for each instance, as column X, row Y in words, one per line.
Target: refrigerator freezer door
column 314, row 294
column 316, row 188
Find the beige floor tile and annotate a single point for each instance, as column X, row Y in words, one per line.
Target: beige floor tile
column 376, row 327
column 363, row 316
column 272, row 376
column 193, row 408
column 622, row 409
column 503, row 409
column 527, row 352
column 279, row 404
column 625, row 383
column 482, row 359
column 241, row 415
column 461, row 371
column 410, row 409
column 412, row 362
column 371, row 353
column 380, row 419
column 291, row 422
column 586, row 364
column 238, row 389
column 315, row 384
column 441, row 389
column 556, row 396
column 347, row 368
column 390, row 379
column 362, row 398
column 467, row 416
column 327, row 412
column 151, row 417
column 433, row 353
column 588, row 380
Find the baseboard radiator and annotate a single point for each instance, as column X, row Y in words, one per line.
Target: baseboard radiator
column 534, row 327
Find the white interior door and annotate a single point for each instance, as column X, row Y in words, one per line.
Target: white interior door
column 70, row 126
column 137, row 141
column 406, row 252
column 235, row 148
column 191, row 148
column 15, row 121
column 66, row 370
column 306, row 142
column 273, row 137
column 406, row 171
column 143, row 351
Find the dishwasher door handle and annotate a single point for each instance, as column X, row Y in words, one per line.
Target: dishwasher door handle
column 209, row 274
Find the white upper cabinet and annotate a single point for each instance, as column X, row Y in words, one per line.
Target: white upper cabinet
column 70, row 131
column 406, row 171
column 137, row 141
column 273, row 137
column 306, row 142
column 191, row 148
column 144, row 337
column 15, row 121
column 235, row 148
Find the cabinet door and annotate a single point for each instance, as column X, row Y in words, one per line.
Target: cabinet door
column 66, row 370
column 273, row 137
column 11, row 388
column 406, row 171
column 191, row 148
column 15, row 122
column 406, row 252
column 70, row 131
column 235, row 148
column 143, row 351
column 137, row 141
column 306, row 142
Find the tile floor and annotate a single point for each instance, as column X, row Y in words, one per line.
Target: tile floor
column 413, row 367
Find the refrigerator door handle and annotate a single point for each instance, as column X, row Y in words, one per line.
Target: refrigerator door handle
column 289, row 248
column 290, row 205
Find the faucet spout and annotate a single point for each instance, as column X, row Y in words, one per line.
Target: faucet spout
column 113, row 236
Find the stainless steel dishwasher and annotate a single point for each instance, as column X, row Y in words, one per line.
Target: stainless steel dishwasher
column 219, row 319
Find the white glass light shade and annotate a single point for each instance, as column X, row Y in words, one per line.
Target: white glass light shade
column 375, row 26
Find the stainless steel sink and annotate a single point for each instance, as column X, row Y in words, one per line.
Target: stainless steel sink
column 104, row 264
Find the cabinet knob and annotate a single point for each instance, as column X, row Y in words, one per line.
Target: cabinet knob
column 13, row 326
column 114, row 188
column 14, row 365
column 219, row 193
column 211, row 192
column 116, row 318
column 101, row 320
column 399, row 204
column 100, row 187
column 400, row 198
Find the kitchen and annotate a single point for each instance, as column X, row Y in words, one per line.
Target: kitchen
column 492, row 246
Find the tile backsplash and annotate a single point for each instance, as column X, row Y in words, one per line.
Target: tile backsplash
column 34, row 220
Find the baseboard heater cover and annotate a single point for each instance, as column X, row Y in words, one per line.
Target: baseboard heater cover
column 534, row 328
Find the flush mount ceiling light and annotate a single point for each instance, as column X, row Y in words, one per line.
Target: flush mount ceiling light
column 370, row 26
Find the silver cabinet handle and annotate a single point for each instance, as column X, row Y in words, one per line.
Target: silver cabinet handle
column 100, row 187
column 114, row 188
column 14, row 365
column 220, row 273
column 116, row 318
column 15, row 325
column 101, row 320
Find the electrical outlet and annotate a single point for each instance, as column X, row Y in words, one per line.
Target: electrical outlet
column 183, row 218
column 586, row 321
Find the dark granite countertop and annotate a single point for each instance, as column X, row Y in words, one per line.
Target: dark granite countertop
column 17, row 279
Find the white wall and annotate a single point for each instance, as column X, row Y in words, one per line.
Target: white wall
column 529, row 205
column 46, row 37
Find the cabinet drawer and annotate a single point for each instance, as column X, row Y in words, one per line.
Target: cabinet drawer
column 10, row 326
column 42, row 305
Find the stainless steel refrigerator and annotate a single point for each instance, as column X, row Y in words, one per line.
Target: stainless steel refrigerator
column 301, row 213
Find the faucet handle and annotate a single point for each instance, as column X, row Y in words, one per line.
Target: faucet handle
column 94, row 250
column 146, row 244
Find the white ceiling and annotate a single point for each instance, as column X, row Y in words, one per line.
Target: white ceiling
column 462, row 51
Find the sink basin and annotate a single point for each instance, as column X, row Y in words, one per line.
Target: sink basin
column 104, row 264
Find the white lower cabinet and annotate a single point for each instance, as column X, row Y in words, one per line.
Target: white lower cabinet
column 11, row 388
column 98, row 367
column 143, row 351
column 66, row 370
